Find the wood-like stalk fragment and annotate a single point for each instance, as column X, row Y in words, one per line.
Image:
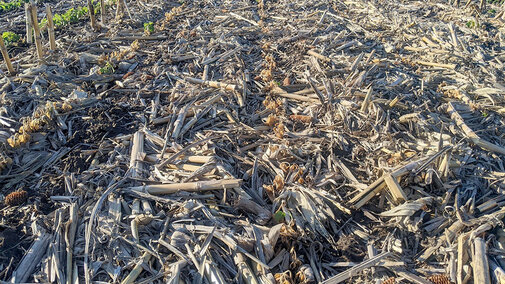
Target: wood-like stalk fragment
column 318, row 56
column 395, row 188
column 136, row 154
column 281, row 93
column 366, row 102
column 213, row 84
column 137, row 269
column 244, row 269
column 69, row 238
column 31, row 259
column 480, row 262
column 364, row 196
column 462, row 256
column 190, row 186
column 434, row 64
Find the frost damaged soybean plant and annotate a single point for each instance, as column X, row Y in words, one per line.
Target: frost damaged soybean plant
column 42, row 117
column 109, row 62
column 5, row 161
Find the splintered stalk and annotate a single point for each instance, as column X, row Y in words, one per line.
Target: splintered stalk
column 137, row 269
column 38, row 42
column 480, row 262
column 50, row 28
column 366, row 102
column 70, row 237
column 5, row 55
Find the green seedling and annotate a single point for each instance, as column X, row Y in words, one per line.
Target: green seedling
column 279, row 217
column 108, row 68
column 71, row 16
column 7, row 6
column 149, row 28
column 10, row 38
column 471, row 24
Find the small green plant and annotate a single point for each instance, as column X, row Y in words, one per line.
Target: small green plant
column 485, row 114
column 279, row 217
column 108, row 68
column 43, row 23
column 149, row 28
column 10, row 38
column 71, row 16
column 7, row 6
column 471, row 24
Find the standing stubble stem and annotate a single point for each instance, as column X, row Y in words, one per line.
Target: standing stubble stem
column 29, row 25
column 38, row 42
column 102, row 11
column 91, row 11
column 6, row 57
column 50, row 28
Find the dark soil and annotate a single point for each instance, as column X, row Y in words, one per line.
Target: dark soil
column 102, row 122
column 13, row 241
